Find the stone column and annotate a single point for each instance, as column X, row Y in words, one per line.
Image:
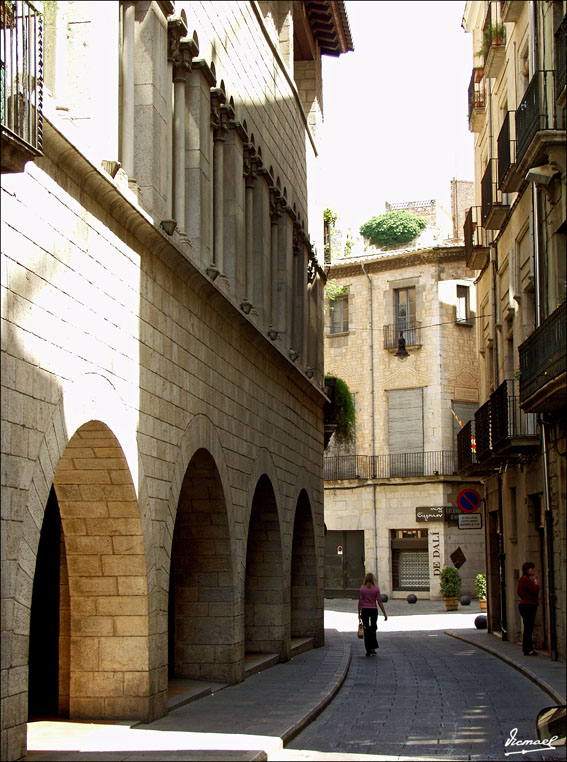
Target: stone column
column 127, row 152
column 250, row 175
column 275, row 217
column 219, row 123
column 181, row 51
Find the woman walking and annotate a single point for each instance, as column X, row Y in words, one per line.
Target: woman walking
column 528, row 592
column 368, row 597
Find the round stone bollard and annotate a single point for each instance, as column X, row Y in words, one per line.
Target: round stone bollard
column 465, row 600
column 412, row 598
column 384, row 597
column 480, row 622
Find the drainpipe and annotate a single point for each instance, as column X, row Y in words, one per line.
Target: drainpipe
column 502, row 563
column 372, row 416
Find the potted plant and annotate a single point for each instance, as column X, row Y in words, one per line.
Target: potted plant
column 480, row 587
column 450, row 582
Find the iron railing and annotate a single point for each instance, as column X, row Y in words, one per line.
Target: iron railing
column 21, row 55
column 466, row 447
column 410, row 330
column 435, row 463
column 475, row 235
column 482, row 432
column 543, row 354
column 508, row 420
column 561, row 56
column 537, row 111
column 477, row 91
column 506, row 149
column 491, row 196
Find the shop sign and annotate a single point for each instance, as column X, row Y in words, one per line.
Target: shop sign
column 452, row 512
column 435, row 552
column 429, row 513
column 473, row 521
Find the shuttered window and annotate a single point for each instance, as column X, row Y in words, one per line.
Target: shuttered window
column 405, row 431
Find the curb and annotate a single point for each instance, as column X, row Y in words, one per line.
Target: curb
column 342, row 671
column 557, row 697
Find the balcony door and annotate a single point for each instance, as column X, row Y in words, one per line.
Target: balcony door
column 404, row 313
column 405, row 431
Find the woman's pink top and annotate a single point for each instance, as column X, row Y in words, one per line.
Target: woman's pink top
column 368, row 597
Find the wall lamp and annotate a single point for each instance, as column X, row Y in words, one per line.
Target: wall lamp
column 309, row 372
column 272, row 333
column 245, row 306
column 401, row 352
column 293, row 355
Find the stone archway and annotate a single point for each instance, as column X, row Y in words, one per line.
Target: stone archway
column 266, row 597
column 305, row 610
column 205, row 639
column 104, row 621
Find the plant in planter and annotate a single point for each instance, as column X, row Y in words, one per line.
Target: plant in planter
column 450, row 582
column 493, row 35
column 480, row 587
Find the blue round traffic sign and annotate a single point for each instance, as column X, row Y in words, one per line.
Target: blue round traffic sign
column 469, row 500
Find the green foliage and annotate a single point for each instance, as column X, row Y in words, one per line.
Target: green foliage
column 493, row 35
column 480, row 585
column 330, row 216
column 450, row 581
column 346, row 414
column 334, row 290
column 392, row 228
column 348, row 246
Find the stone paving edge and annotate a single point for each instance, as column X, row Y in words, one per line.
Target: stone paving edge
column 343, row 669
column 557, row 697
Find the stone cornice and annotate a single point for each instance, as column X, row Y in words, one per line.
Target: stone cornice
column 175, row 251
column 392, row 261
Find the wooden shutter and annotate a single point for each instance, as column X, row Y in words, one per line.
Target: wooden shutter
column 405, row 420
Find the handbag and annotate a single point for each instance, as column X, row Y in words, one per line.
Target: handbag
column 360, row 630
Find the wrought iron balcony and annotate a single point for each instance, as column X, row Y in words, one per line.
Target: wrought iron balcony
column 467, row 461
column 561, row 63
column 493, row 211
column 512, row 430
column 477, row 100
column 21, row 59
column 482, row 433
column 540, row 123
column 399, row 465
column 508, row 180
column 543, row 385
column 477, row 244
column 410, row 329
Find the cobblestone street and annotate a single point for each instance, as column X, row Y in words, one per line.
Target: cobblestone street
column 425, row 695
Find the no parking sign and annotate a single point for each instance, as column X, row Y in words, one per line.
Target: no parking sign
column 469, row 500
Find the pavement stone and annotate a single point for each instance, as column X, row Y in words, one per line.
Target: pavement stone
column 256, row 718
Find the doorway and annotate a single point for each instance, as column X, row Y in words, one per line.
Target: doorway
column 344, row 563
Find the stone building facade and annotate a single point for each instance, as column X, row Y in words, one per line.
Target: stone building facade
column 162, row 371
column 515, row 236
column 391, row 496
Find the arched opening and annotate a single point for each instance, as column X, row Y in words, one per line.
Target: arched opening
column 91, row 574
column 266, row 599
column 48, row 677
column 304, row 608
column 203, row 616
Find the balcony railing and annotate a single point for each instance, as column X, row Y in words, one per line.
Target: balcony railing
column 537, row 111
column 21, row 59
column 493, row 41
column 493, row 211
column 410, row 329
column 477, row 244
column 466, row 447
column 561, row 61
column 435, row 463
column 508, row 180
column 543, row 365
column 511, row 428
column 477, row 99
column 482, row 432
